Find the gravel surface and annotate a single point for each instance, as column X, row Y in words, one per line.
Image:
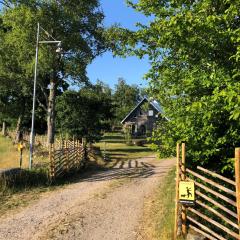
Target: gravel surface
column 104, row 205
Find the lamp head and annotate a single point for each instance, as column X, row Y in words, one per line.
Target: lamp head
column 59, row 48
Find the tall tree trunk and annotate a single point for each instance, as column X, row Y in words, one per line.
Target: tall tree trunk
column 51, row 112
column 4, row 132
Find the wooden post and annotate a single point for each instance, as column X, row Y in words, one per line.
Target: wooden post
column 67, row 153
column 4, row 129
column 183, row 177
column 177, row 190
column 52, row 162
column 237, row 180
column 78, row 154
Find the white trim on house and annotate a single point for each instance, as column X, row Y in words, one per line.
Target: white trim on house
column 153, row 103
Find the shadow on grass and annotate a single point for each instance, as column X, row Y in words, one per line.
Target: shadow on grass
column 114, row 141
column 130, row 150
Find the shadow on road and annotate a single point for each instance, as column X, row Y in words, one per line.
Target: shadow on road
column 124, row 169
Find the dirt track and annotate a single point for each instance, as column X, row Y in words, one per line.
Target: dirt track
column 104, row 205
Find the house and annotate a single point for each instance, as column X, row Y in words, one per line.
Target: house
column 141, row 120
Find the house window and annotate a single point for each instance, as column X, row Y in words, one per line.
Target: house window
column 150, row 113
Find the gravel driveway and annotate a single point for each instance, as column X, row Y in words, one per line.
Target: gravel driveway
column 102, row 205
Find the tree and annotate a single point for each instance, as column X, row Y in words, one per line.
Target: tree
column 125, row 99
column 194, row 51
column 86, row 113
column 77, row 23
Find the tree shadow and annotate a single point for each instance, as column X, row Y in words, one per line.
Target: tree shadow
column 130, row 169
column 129, row 150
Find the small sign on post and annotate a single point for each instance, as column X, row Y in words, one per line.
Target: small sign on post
column 186, row 192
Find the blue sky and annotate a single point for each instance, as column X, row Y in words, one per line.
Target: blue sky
column 108, row 68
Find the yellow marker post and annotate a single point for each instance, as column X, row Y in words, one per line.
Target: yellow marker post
column 187, row 192
column 20, row 149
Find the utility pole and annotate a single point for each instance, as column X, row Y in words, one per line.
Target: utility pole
column 35, row 85
column 34, row 99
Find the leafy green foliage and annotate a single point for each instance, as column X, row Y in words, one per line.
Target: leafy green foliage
column 124, row 99
column 86, row 113
column 194, row 51
column 77, row 24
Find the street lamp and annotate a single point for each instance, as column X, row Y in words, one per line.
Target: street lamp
column 54, row 41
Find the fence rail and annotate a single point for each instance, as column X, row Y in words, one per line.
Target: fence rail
column 216, row 212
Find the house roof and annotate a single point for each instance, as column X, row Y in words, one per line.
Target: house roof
column 153, row 103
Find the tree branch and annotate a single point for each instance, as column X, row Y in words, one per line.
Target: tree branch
column 41, row 104
column 44, row 92
column 3, row 2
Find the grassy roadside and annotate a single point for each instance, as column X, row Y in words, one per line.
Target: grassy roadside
column 159, row 212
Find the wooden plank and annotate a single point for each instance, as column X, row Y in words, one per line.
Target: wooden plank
column 220, row 226
column 206, row 228
column 233, row 214
column 219, row 195
column 216, row 175
column 237, row 179
column 202, row 232
column 227, row 220
column 214, row 184
column 176, row 197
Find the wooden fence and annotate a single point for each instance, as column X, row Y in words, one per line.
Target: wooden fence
column 216, row 212
column 71, row 156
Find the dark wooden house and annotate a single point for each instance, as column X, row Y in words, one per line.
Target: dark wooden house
column 141, row 120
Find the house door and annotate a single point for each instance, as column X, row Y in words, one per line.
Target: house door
column 142, row 130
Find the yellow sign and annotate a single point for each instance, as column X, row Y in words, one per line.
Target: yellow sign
column 186, row 192
column 20, row 147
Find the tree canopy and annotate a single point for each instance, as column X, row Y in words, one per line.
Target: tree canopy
column 86, row 113
column 194, row 50
column 125, row 98
column 77, row 24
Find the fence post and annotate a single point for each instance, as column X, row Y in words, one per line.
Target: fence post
column 52, row 162
column 67, row 154
column 183, row 177
column 237, row 180
column 177, row 190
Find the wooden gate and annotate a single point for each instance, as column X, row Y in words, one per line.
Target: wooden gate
column 216, row 212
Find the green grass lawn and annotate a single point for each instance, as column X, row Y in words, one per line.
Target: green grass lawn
column 116, row 148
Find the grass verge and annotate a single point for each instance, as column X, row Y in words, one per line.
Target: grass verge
column 159, row 212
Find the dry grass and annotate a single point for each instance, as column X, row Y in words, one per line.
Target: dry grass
column 9, row 155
